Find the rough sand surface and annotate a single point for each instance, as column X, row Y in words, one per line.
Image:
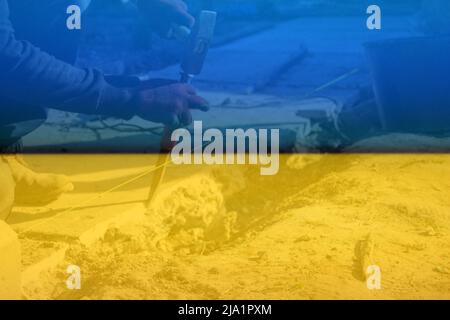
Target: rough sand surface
column 307, row 233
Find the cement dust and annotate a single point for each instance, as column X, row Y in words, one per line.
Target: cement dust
column 189, row 214
column 303, row 234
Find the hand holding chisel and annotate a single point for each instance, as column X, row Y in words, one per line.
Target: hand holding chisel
column 192, row 64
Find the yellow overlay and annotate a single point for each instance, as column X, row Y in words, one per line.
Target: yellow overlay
column 325, row 227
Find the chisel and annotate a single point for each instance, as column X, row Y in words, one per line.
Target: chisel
column 199, row 41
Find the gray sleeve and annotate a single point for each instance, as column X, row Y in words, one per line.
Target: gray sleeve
column 32, row 76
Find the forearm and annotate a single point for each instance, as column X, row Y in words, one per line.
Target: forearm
column 34, row 77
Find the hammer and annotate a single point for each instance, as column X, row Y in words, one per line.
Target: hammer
column 197, row 46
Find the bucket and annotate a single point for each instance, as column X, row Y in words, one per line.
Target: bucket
column 412, row 83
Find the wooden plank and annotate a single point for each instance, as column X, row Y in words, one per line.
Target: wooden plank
column 228, row 111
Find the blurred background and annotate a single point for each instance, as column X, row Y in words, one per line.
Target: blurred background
column 115, row 24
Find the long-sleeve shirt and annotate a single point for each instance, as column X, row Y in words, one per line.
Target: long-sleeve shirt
column 34, row 77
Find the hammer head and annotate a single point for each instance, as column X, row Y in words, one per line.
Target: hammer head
column 199, row 43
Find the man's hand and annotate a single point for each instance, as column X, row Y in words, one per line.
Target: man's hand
column 170, row 104
column 162, row 14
